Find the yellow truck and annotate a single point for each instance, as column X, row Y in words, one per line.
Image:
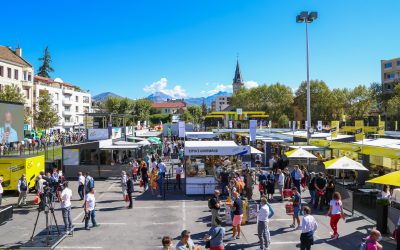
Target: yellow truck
column 12, row 167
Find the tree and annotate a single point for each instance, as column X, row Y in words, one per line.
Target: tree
column 321, row 100
column 359, row 102
column 187, row 116
column 11, row 93
column 45, row 116
column 283, row 121
column 157, row 118
column 142, row 109
column 196, row 113
column 204, row 108
column 45, row 68
column 118, row 105
column 393, row 103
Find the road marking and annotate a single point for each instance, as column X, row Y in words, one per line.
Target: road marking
column 81, row 213
column 79, row 247
column 165, row 223
column 105, row 223
column 184, row 215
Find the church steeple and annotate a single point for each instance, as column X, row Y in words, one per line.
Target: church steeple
column 237, row 80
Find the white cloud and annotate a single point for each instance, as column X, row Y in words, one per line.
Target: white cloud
column 161, row 86
column 250, row 84
column 218, row 88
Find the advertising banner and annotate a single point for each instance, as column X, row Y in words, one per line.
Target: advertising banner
column 359, row 132
column 71, row 157
column 11, row 122
column 334, row 129
column 97, row 134
column 253, row 129
column 116, row 133
column 319, row 126
column 237, row 150
column 181, row 129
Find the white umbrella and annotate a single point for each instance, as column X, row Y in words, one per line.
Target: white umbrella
column 344, row 163
column 300, row 153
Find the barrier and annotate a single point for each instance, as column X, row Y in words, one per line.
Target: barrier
column 6, row 214
column 347, row 198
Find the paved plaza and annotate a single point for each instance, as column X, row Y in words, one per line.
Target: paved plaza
column 143, row 226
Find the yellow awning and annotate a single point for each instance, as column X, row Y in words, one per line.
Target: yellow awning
column 392, row 179
column 378, row 151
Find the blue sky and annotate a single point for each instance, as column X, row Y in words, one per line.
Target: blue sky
column 189, row 47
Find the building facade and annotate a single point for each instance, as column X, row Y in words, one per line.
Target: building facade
column 15, row 70
column 237, row 80
column 390, row 74
column 172, row 107
column 69, row 101
column 220, row 103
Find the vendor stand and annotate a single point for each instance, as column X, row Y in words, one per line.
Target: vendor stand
column 203, row 163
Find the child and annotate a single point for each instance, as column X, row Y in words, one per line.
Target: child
column 296, row 199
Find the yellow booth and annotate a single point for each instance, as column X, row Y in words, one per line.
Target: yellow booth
column 12, row 167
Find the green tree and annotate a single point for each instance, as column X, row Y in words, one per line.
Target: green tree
column 187, row 116
column 340, row 97
column 157, row 118
column 118, row 105
column 11, row 93
column 393, row 104
column 283, row 121
column 204, row 108
column 46, row 116
column 359, row 102
column 321, row 100
column 142, row 109
column 196, row 113
column 45, row 69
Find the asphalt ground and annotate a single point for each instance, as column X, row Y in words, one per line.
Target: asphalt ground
column 152, row 218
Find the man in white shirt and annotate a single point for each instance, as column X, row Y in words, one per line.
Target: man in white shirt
column 262, row 228
column 178, row 171
column 66, row 195
column 81, row 186
column 308, row 227
column 90, row 204
column 281, row 183
column 22, row 190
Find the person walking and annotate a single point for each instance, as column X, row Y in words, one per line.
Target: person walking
column 1, row 189
column 214, row 204
column 161, row 175
column 81, row 186
column 270, row 185
column 90, row 204
column 237, row 207
column 154, row 180
column 249, row 184
column 372, row 241
column 123, row 180
column 135, row 168
column 145, row 176
column 178, row 172
column 215, row 236
column 330, row 189
column 89, row 182
column 308, row 227
column 311, row 188
column 296, row 177
column 281, row 183
column 22, row 190
column 129, row 190
column 65, row 196
column 262, row 226
column 296, row 199
column 336, row 213
column 166, row 243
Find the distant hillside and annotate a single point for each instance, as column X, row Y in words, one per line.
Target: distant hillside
column 159, row 97
column 103, row 96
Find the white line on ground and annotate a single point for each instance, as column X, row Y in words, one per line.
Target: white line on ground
column 105, row 223
column 79, row 247
column 183, row 215
column 284, row 242
column 81, row 213
column 165, row 223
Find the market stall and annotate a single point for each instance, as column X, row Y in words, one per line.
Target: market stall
column 204, row 159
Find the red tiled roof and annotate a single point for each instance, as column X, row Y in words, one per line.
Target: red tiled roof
column 9, row 55
column 169, row 105
column 49, row 80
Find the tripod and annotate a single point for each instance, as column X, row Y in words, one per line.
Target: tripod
column 48, row 207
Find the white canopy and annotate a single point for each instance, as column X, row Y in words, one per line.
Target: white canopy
column 254, row 151
column 200, row 135
column 345, row 163
column 300, row 153
column 215, row 148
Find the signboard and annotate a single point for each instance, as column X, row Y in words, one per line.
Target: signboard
column 230, row 124
column 88, row 121
column 294, row 126
column 237, row 150
column 359, row 132
column 116, row 133
column 253, row 129
column 334, row 129
column 71, row 157
column 181, row 129
column 97, row 134
column 239, row 111
column 319, row 126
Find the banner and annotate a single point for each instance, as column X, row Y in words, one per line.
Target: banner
column 359, row 132
column 294, row 126
column 97, row 134
column 230, row 124
column 253, row 129
column 334, row 129
column 181, row 129
column 319, row 126
column 298, row 125
column 381, row 128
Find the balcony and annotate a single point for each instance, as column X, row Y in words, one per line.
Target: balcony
column 26, row 83
column 67, row 102
column 68, row 91
column 67, row 112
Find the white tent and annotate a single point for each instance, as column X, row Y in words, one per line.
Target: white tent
column 300, row 153
column 215, row 148
column 344, row 163
column 254, row 151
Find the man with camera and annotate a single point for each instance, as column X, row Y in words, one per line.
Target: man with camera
column 65, row 196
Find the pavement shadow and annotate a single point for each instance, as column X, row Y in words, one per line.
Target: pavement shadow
column 239, row 246
column 350, row 241
column 279, row 231
column 204, row 219
column 109, row 209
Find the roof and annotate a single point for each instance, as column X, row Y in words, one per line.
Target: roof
column 49, row 80
column 168, row 105
column 238, row 76
column 8, row 54
column 380, row 142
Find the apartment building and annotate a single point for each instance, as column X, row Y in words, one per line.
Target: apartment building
column 15, row 70
column 69, row 101
column 390, row 74
column 172, row 107
column 220, row 103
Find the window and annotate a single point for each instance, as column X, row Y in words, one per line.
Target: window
column 1, row 71
column 16, row 74
column 388, row 65
column 77, row 98
column 29, row 76
column 9, row 72
column 56, row 95
column 56, row 107
column 390, row 76
column 398, row 63
column 26, row 91
column 76, row 109
column 388, row 87
column 86, row 99
column 24, row 75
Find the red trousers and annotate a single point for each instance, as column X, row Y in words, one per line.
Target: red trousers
column 334, row 221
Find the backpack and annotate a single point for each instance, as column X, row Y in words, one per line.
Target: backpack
column 90, row 183
column 271, row 211
column 23, row 186
column 210, row 204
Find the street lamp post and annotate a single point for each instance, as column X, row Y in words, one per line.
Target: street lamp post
column 306, row 17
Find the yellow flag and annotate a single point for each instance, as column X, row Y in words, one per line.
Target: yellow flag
column 359, row 130
column 334, row 128
column 298, row 125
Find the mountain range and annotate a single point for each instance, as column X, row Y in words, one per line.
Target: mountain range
column 162, row 97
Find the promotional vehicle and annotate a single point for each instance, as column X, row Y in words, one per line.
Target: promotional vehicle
column 11, row 168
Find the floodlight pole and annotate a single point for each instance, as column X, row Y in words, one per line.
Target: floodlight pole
column 308, row 90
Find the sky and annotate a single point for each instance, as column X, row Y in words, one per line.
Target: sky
column 188, row 48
